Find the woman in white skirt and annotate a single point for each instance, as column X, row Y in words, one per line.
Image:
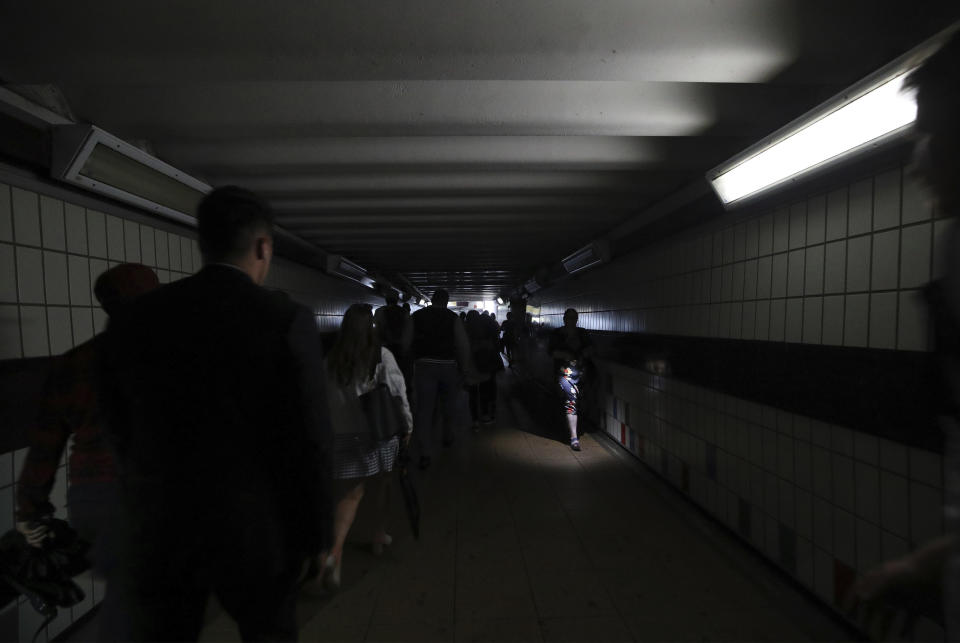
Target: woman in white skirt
column 356, row 365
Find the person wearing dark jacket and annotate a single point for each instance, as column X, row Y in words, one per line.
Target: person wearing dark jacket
column 486, row 358
column 215, row 400
column 71, row 408
column 570, row 347
column 395, row 330
column 441, row 350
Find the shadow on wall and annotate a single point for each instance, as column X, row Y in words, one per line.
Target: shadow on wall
column 891, row 394
column 21, row 388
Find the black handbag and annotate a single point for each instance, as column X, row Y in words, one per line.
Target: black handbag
column 384, row 413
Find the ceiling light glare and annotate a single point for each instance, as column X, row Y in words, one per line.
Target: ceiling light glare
column 882, row 111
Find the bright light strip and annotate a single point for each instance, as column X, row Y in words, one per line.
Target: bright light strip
column 879, row 112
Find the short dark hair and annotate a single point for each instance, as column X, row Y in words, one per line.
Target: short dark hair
column 228, row 220
column 440, row 297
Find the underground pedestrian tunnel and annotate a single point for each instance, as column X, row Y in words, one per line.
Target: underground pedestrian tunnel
column 761, row 425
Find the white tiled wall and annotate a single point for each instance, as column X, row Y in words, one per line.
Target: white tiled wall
column 843, row 268
column 823, row 502
column 51, row 252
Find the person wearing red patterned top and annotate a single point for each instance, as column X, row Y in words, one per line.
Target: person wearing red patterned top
column 70, row 407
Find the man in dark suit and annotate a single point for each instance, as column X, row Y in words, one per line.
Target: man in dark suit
column 215, row 401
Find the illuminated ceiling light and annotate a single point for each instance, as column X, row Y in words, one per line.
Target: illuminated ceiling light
column 500, row 300
column 596, row 252
column 862, row 118
column 422, row 302
column 87, row 156
column 340, row 266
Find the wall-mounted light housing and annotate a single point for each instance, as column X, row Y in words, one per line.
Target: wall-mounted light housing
column 340, row 266
column 592, row 254
column 869, row 114
column 531, row 286
column 500, row 300
column 87, row 156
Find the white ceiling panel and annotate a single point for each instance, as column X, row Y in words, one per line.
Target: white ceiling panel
column 460, row 142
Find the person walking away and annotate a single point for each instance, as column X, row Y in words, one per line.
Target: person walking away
column 71, row 407
column 356, row 365
column 511, row 335
column 570, row 347
column 215, row 399
column 486, row 359
column 441, row 349
column 395, row 331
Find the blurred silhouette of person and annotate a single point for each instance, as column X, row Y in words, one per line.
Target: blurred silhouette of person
column 395, row 331
column 356, row 365
column 511, row 336
column 570, row 347
column 486, row 358
column 71, row 407
column 927, row 581
column 441, row 350
column 216, row 403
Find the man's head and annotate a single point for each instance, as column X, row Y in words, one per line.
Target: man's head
column 120, row 285
column 440, row 298
column 570, row 317
column 937, row 155
column 391, row 297
column 236, row 227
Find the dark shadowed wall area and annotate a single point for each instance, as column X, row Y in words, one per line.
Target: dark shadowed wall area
column 775, row 367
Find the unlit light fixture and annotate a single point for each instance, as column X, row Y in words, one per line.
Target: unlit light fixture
column 88, row 156
column 596, row 252
column 342, row 267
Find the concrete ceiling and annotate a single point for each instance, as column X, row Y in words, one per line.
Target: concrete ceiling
column 461, row 143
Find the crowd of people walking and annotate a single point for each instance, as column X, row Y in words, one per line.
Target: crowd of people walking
column 219, row 451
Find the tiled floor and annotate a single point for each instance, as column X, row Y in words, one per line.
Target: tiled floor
column 524, row 540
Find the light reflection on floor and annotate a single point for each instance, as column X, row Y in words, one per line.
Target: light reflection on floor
column 525, row 540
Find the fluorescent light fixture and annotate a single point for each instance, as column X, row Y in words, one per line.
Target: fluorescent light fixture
column 596, row 252
column 87, row 156
column 500, row 300
column 342, row 267
column 422, row 302
column 856, row 121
